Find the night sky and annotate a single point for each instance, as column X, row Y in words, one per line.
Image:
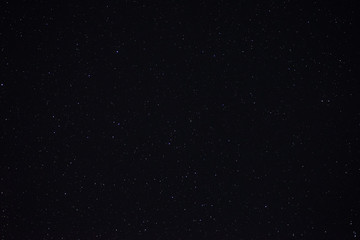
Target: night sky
column 174, row 120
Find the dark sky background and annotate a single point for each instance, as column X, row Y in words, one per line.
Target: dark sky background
column 173, row 120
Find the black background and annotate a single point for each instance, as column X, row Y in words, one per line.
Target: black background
column 173, row 120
